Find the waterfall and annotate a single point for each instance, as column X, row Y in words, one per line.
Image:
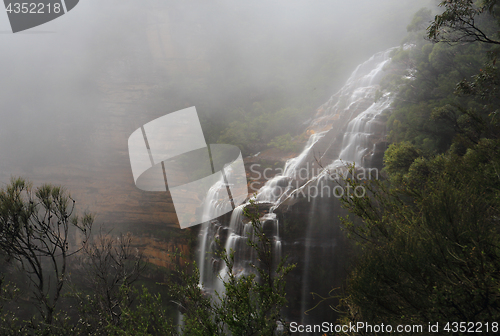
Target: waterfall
column 346, row 129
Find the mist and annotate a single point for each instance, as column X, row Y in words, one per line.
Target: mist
column 74, row 89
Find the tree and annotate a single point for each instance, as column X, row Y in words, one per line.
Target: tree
column 420, row 20
column 111, row 266
column 36, row 229
column 250, row 305
column 473, row 21
column 399, row 157
column 428, row 235
column 146, row 318
column 8, row 293
column 465, row 21
column 429, row 245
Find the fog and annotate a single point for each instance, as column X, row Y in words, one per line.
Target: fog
column 74, row 89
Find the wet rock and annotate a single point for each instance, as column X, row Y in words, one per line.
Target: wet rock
column 269, row 227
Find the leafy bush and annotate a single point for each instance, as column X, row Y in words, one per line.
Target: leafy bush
column 284, row 143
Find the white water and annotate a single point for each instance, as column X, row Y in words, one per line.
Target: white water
column 353, row 110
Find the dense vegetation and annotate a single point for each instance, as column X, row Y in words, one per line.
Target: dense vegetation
column 428, row 238
column 428, row 235
column 60, row 278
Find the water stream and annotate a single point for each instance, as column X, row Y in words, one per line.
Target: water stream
column 346, row 129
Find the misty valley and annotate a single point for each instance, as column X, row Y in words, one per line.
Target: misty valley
column 251, row 168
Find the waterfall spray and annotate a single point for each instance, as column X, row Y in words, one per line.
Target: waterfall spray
column 351, row 113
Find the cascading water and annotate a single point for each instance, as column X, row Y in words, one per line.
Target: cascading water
column 346, row 129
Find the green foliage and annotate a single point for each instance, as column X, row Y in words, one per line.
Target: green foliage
column 399, row 157
column 430, row 246
column 110, row 267
column 465, row 21
column 428, row 237
column 200, row 316
column 431, row 83
column 420, row 20
column 284, row 143
column 147, row 318
column 485, row 85
column 255, row 129
column 8, row 322
column 35, row 230
column 250, row 305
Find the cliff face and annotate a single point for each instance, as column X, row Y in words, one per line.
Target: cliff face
column 95, row 168
column 129, row 102
column 157, row 251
